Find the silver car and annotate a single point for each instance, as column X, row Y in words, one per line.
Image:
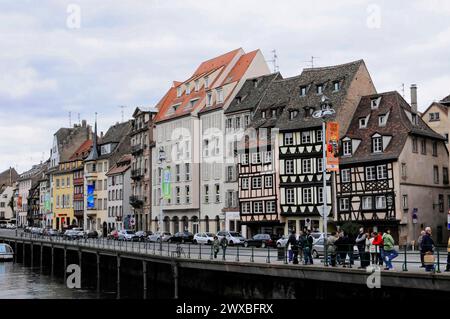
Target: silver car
column 157, row 237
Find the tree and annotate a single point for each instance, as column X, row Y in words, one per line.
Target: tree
column 351, row 228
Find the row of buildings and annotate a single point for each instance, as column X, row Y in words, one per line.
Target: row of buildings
column 242, row 149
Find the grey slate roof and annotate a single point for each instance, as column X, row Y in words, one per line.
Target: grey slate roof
column 284, row 95
column 251, row 95
column 398, row 126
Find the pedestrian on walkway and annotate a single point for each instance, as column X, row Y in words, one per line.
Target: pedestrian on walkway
column 427, row 249
column 378, row 242
column 331, row 248
column 361, row 244
column 307, row 250
column 366, row 258
column 224, row 244
column 301, row 242
column 291, row 239
column 294, row 247
column 341, row 251
column 389, row 251
column 447, row 269
column 350, row 242
column 216, row 246
column 419, row 245
column 373, row 249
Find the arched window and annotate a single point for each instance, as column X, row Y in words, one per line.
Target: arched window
column 176, row 224
column 166, row 224
column 217, row 224
column 185, row 223
column 194, row 221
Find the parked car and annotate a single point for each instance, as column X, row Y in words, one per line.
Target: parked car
column 233, row 238
column 203, row 238
column 157, row 237
column 51, row 232
column 282, row 242
column 10, row 226
column 318, row 249
column 260, row 240
column 142, row 235
column 3, row 225
column 91, row 234
column 74, row 233
column 182, row 237
column 128, row 235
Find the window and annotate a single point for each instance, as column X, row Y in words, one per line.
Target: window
column 344, row 204
column 177, row 173
column 445, row 175
column 423, row 146
column 382, row 120
column 404, row 170
column 377, row 144
column 187, row 169
column 289, row 167
column 380, row 202
column 306, row 166
column 302, row 90
column 405, row 201
column 370, row 173
column 362, row 122
column 274, row 113
column 436, row 174
column 208, row 99
column 256, row 182
column 414, row 145
column 336, row 86
column 229, row 124
column 345, row 175
column 319, row 89
column 347, row 146
column 319, row 165
column 197, row 85
column 206, row 193
column 238, row 122
column 256, row 158
column 245, row 208
column 206, row 82
column 306, row 137
column 290, row 196
column 263, row 114
column 435, row 148
column 288, row 139
column 245, row 183
column 268, row 182
column 382, row 172
column 177, row 195
column 441, row 203
column 205, row 148
column 270, row 207
column 244, row 159
column 230, row 174
column 268, row 157
column 257, row 207
column 320, row 195
column 434, row 116
column 187, row 190
column 307, row 196
column 374, row 103
column 293, row 114
column 367, row 202
column 188, row 88
column 246, row 120
column 219, row 95
column 179, row 91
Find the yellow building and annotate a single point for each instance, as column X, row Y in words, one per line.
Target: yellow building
column 63, row 208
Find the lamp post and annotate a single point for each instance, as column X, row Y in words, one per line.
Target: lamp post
column 162, row 159
column 325, row 112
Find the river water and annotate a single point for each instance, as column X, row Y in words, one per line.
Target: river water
column 19, row 282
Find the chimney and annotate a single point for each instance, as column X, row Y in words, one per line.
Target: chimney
column 414, row 98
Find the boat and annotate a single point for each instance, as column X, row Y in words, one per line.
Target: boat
column 6, row 253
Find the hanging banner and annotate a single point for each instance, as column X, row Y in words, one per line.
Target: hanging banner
column 332, row 135
column 19, row 202
column 166, row 186
column 90, row 197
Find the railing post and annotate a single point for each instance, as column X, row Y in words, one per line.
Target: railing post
column 168, row 249
column 268, row 255
column 438, row 261
column 286, row 255
column 199, row 251
column 237, row 253
column 405, row 263
column 252, row 259
column 189, row 250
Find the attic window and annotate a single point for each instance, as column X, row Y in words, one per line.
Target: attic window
column 434, row 116
column 274, row 112
column 302, row 90
column 188, row 88
column 255, row 83
column 206, row 82
column 238, row 99
column 319, row 89
column 382, row 119
column 263, row 114
column 374, row 103
column 208, row 99
column 362, row 122
column 293, row 114
column 336, row 86
column 414, row 119
column 197, row 85
column 192, row 103
column 219, row 92
column 179, row 91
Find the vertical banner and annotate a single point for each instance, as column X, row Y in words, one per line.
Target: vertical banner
column 19, row 202
column 332, row 135
column 90, row 197
column 166, row 186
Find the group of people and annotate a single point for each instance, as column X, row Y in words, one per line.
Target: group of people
column 300, row 247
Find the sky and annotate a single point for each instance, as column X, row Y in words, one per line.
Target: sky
column 92, row 56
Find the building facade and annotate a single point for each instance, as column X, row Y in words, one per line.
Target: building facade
column 436, row 117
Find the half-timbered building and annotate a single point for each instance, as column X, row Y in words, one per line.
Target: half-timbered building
column 393, row 170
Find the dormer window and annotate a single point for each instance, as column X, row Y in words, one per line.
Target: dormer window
column 274, row 113
column 414, row 119
column 374, row 103
column 434, row 116
column 382, row 119
column 363, row 122
column 238, row 100
column 192, row 103
column 206, row 82
column 197, row 85
column 208, row 99
column 347, row 147
column 263, row 114
column 255, row 83
column 377, row 144
column 179, row 91
column 293, row 114
column 336, row 86
column 188, row 89
column 302, row 90
column 319, row 89
column 219, row 92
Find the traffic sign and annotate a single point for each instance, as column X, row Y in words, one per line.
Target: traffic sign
column 320, row 208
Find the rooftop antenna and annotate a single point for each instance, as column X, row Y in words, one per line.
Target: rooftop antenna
column 274, row 60
column 311, row 62
column 122, row 107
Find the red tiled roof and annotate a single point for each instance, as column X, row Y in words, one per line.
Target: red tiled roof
column 82, row 151
column 122, row 165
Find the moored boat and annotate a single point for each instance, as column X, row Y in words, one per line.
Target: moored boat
column 6, row 253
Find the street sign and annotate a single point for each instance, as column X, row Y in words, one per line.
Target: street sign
column 320, row 208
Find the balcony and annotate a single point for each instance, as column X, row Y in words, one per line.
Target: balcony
column 137, row 174
column 138, row 149
column 78, row 181
column 137, row 201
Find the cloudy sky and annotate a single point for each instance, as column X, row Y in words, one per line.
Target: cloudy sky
column 92, row 56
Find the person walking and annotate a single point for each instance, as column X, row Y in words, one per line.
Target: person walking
column 378, row 241
column 419, row 245
column 350, row 242
column 361, row 244
column 427, row 249
column 373, row 249
column 224, row 244
column 331, row 248
column 216, row 246
column 291, row 239
column 307, row 250
column 340, row 248
column 293, row 242
column 447, row 269
column 389, row 251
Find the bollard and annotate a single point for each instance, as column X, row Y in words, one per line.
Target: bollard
column 237, row 253
column 189, row 250
column 252, row 259
column 268, row 255
column 405, row 264
column 199, row 251
column 438, row 261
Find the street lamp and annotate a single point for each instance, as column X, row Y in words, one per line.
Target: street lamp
column 161, row 159
column 326, row 111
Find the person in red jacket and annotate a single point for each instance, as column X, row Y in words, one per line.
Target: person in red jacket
column 378, row 242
